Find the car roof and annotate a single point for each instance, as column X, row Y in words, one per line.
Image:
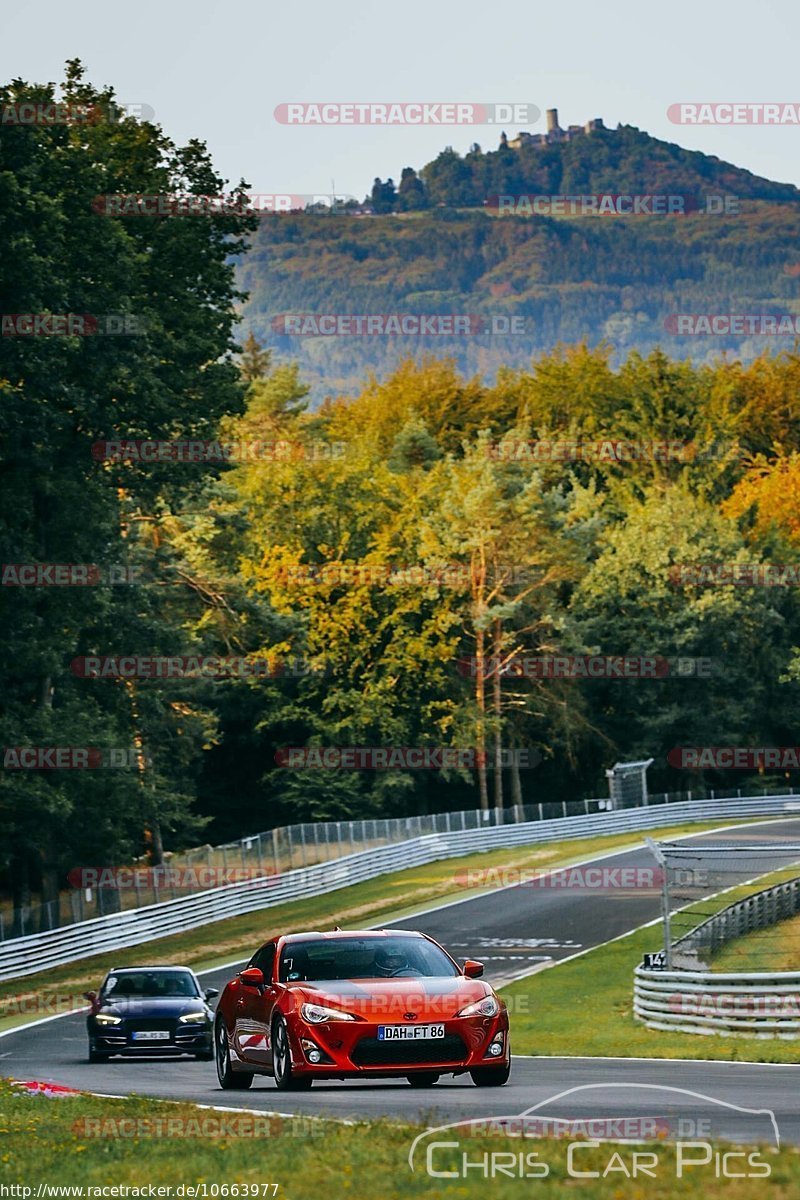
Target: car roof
column 155, row 967
column 336, row 934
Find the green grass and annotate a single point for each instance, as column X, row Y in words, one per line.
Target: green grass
column 388, row 897
column 56, row 1142
column 585, row 1007
column 774, row 949
column 695, row 914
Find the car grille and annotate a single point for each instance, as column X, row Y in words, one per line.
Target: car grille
column 371, row 1053
column 146, row 1023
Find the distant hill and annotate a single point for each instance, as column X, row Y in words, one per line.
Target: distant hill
column 444, row 249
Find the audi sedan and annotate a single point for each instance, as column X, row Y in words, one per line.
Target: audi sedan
column 361, row 1004
column 150, row 1010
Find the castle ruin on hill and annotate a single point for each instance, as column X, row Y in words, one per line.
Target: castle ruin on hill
column 554, row 132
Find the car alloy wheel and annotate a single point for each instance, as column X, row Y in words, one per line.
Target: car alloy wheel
column 228, row 1078
column 285, row 1079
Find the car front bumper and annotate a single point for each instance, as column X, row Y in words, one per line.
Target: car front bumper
column 353, row 1048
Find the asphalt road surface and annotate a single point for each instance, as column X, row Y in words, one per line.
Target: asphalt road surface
column 513, row 930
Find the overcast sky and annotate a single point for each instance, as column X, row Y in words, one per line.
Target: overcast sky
column 216, row 71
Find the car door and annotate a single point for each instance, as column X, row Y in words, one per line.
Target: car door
column 253, row 1011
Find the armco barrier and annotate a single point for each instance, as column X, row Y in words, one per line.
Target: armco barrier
column 758, row 911
column 37, row 952
column 757, row 1005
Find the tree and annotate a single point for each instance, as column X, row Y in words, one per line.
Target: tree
column 383, row 196
column 254, row 361
column 168, row 283
column 411, row 192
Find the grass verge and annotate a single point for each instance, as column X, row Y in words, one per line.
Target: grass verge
column 585, row 1007
column 99, row 1142
column 774, row 949
column 388, row 897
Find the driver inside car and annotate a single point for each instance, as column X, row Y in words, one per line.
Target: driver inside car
column 390, row 961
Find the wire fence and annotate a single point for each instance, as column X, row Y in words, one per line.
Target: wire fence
column 732, row 905
column 102, row 890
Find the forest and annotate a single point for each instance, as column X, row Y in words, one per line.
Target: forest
column 397, row 567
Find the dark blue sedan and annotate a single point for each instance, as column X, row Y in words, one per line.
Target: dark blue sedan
column 150, row 1011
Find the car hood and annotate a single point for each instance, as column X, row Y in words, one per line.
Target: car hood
column 392, row 999
column 152, row 1006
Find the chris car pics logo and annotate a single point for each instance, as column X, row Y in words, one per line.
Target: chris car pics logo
column 598, row 1131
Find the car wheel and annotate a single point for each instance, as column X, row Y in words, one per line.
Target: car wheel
column 423, row 1079
column 228, row 1078
column 285, row 1079
column 491, row 1076
column 96, row 1056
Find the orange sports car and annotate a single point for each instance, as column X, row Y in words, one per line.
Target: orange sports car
column 359, row 1004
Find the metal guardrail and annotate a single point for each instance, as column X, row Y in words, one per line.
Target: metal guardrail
column 757, row 911
column 101, row 892
column 38, row 952
column 757, row 1004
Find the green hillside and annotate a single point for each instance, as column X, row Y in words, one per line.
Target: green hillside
column 615, row 278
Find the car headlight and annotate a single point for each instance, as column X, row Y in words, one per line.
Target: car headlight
column 488, row 1007
column 193, row 1018
column 107, row 1019
column 316, row 1013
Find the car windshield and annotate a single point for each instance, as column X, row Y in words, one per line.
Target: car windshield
column 363, row 958
column 152, row 984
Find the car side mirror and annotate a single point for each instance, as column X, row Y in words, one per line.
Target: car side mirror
column 90, row 996
column 473, row 969
column 210, row 993
column 252, row 977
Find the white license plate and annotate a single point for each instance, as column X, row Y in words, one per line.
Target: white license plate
column 151, row 1035
column 409, row 1033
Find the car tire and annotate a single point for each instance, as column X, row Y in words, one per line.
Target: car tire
column 285, row 1079
column 229, row 1079
column 423, row 1079
column 491, row 1076
column 96, row 1056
